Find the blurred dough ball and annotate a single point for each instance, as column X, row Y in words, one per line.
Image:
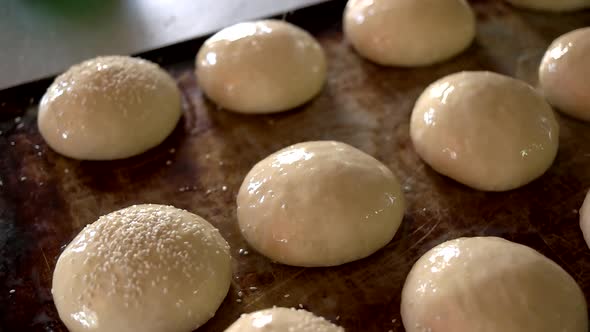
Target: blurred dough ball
column 409, row 33
column 282, row 320
column 585, row 219
column 489, row 284
column 564, row 74
column 264, row 66
column 319, row 203
column 149, row 268
column 109, row 107
column 551, row 5
column 485, row 130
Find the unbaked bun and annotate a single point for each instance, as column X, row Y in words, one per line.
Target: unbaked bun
column 485, row 130
column 551, row 5
column 565, row 71
column 585, row 219
column 319, row 204
column 264, row 66
column 109, row 108
column 488, row 284
column 282, row 320
column 149, row 268
column 409, row 33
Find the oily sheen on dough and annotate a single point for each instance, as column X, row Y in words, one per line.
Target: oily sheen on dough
column 485, row 130
column 320, row 203
column 409, row 33
column 109, row 107
column 564, row 74
column 149, row 268
column 551, row 5
column 488, row 284
column 585, row 219
column 282, row 320
column 264, row 66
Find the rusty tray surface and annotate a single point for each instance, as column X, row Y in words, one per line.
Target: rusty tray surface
column 46, row 199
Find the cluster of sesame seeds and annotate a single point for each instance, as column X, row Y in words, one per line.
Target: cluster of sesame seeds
column 128, row 85
column 119, row 79
column 285, row 319
column 130, row 251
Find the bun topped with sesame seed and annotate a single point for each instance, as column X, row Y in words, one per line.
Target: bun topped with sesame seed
column 143, row 268
column 281, row 320
column 110, row 107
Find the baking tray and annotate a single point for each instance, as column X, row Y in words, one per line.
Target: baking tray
column 46, row 199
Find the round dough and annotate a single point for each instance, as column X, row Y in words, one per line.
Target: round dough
column 551, row 5
column 585, row 219
column 150, row 268
column 261, row 67
column 109, row 108
column 489, row 284
column 281, row 320
column 409, row 33
column 319, row 204
column 488, row 131
column 564, row 72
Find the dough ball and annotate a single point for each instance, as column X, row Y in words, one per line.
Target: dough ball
column 109, row 107
column 564, row 73
column 409, row 33
column 489, row 284
column 319, row 204
column 149, row 268
column 551, row 5
column 282, row 320
column 264, row 66
column 585, row 219
column 485, row 130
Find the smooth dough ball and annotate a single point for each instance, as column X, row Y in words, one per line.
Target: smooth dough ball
column 282, row 320
column 485, row 130
column 409, row 33
column 564, row 73
column 149, row 268
column 551, row 5
column 585, row 219
column 319, row 203
column 489, row 284
column 264, row 66
column 108, row 108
